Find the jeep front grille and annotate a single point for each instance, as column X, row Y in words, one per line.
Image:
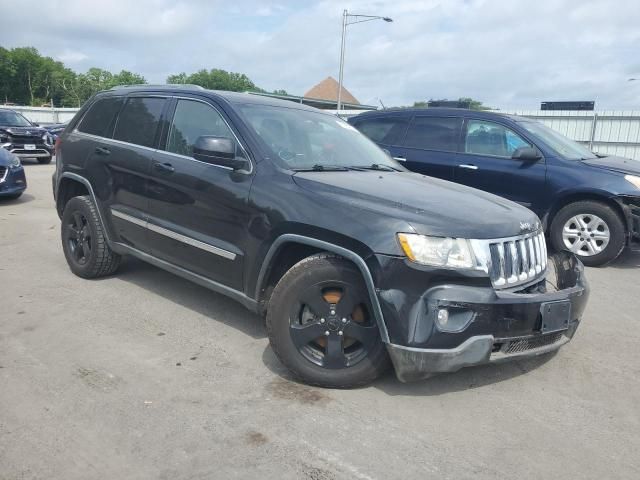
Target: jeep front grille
column 517, row 260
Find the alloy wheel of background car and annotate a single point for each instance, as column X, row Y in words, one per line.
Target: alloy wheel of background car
column 83, row 241
column 320, row 326
column 586, row 235
column 592, row 230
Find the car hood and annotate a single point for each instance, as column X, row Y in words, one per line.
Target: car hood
column 616, row 164
column 431, row 206
column 23, row 130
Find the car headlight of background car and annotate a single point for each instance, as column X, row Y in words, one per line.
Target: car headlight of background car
column 633, row 179
column 437, row 251
column 47, row 138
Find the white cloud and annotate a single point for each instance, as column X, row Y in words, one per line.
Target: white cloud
column 507, row 53
column 71, row 56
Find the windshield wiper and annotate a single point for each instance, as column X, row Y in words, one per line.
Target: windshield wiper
column 377, row 166
column 318, row 167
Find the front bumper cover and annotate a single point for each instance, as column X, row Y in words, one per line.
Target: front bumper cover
column 493, row 343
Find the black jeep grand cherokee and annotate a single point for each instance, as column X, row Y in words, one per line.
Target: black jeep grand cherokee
column 352, row 259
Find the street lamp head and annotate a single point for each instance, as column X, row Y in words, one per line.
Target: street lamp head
column 387, row 19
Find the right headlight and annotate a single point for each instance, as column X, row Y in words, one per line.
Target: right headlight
column 437, row 251
column 15, row 162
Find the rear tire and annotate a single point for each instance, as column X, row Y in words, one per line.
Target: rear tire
column 592, row 230
column 321, row 327
column 83, row 240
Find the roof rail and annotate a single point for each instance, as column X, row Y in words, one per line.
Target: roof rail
column 186, row 86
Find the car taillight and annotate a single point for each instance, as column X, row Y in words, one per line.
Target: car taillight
column 57, row 145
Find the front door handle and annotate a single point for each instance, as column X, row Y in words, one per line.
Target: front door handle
column 400, row 159
column 103, row 151
column 163, row 167
column 468, row 166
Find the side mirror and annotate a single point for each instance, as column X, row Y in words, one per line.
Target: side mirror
column 527, row 154
column 219, row 151
column 35, row 124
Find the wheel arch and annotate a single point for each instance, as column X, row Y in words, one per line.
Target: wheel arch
column 595, row 196
column 72, row 185
column 291, row 248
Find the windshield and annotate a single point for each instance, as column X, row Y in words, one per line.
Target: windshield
column 303, row 140
column 569, row 149
column 13, row 119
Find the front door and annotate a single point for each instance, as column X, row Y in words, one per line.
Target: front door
column 485, row 163
column 198, row 214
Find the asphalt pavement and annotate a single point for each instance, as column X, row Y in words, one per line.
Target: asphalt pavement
column 144, row 375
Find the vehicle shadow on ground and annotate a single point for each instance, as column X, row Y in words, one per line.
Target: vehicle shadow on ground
column 215, row 306
column 630, row 258
column 465, row 379
column 24, row 198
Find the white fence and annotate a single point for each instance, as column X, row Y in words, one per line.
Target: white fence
column 45, row 115
column 605, row 131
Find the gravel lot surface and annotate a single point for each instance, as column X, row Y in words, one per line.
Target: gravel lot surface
column 144, row 375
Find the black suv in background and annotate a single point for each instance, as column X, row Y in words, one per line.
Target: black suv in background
column 23, row 138
column 589, row 204
column 352, row 259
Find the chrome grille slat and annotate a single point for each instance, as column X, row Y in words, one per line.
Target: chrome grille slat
column 517, row 260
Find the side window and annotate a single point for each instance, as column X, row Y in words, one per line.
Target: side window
column 388, row 130
column 434, row 133
column 488, row 138
column 191, row 120
column 139, row 120
column 100, row 115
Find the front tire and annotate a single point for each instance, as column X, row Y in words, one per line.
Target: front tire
column 321, row 326
column 83, row 241
column 44, row 160
column 592, row 230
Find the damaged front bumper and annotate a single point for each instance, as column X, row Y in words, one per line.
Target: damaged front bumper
column 502, row 325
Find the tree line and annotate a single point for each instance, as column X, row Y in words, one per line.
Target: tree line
column 28, row 78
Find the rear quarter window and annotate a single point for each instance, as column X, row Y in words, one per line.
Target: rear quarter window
column 99, row 118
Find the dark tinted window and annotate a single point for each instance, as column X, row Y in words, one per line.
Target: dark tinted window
column 387, row 130
column 192, row 120
column 138, row 122
column 100, row 115
column 488, row 138
column 434, row 133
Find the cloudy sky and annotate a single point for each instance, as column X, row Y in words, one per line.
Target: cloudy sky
column 507, row 53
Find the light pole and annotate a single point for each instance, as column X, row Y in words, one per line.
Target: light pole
column 345, row 22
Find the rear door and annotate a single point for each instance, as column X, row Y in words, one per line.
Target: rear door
column 485, row 163
column 198, row 211
column 127, row 158
column 430, row 144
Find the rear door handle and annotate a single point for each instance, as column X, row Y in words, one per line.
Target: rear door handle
column 400, row 159
column 103, row 151
column 468, row 166
column 163, row 167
